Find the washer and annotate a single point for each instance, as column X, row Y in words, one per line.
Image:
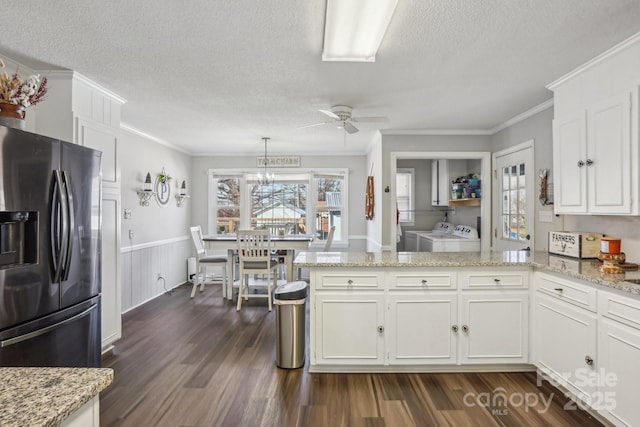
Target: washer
column 463, row 239
column 411, row 242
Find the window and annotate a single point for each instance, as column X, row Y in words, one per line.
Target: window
column 405, row 196
column 514, row 224
column 296, row 203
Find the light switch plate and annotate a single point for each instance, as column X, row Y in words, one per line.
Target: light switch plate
column 127, row 214
column 545, row 216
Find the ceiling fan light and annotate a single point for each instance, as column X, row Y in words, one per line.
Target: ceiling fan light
column 354, row 29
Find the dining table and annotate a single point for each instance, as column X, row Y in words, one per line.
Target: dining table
column 285, row 246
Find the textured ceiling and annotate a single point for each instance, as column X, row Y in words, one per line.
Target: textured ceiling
column 213, row 77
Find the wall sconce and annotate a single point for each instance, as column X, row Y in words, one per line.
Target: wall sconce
column 147, row 191
column 182, row 195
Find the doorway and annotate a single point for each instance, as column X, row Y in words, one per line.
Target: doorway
column 484, row 161
column 514, row 211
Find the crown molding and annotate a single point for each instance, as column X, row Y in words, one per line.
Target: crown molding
column 522, row 116
column 150, row 137
column 598, row 59
column 408, row 132
column 71, row 75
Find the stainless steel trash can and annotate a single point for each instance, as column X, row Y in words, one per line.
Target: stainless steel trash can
column 289, row 300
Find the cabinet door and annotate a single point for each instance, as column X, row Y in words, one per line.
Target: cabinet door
column 618, row 356
column 569, row 167
column 420, row 328
column 608, row 162
column 349, row 328
column 104, row 138
column 564, row 339
column 494, row 327
column 440, row 187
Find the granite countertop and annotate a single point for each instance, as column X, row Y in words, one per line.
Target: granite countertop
column 587, row 270
column 46, row 396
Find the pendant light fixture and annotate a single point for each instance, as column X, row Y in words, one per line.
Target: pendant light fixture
column 265, row 178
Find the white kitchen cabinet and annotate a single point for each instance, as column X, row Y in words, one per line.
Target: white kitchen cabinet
column 88, row 415
column 564, row 341
column 440, row 183
column 618, row 356
column 494, row 327
column 592, row 154
column 349, row 328
column 422, row 328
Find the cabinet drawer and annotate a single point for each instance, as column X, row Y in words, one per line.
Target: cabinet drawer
column 350, row 280
column 617, row 307
column 492, row 279
column 569, row 291
column 422, row 280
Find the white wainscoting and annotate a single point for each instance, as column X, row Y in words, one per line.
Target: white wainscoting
column 142, row 263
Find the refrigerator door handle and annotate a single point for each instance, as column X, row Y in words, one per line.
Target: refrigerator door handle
column 45, row 330
column 70, row 224
column 58, row 221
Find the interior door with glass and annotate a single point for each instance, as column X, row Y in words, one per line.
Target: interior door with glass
column 514, row 212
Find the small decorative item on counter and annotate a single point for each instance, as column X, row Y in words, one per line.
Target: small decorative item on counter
column 574, row 244
column 610, row 245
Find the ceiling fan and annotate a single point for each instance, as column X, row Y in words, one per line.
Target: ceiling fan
column 341, row 116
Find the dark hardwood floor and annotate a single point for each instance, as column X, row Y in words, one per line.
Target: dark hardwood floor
column 198, row 362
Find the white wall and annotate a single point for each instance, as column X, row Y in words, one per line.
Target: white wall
column 161, row 241
column 357, row 180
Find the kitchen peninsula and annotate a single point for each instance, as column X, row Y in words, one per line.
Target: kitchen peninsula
column 476, row 311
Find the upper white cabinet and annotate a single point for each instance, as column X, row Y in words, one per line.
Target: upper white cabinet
column 595, row 135
column 592, row 154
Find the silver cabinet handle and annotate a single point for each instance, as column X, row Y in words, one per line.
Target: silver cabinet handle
column 580, row 163
column 424, row 282
column 496, row 280
column 454, row 328
column 380, row 329
column 349, row 282
column 589, row 162
column 588, row 360
column 465, row 328
column 558, row 289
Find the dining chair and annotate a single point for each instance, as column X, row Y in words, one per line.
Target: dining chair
column 203, row 261
column 254, row 255
column 329, row 240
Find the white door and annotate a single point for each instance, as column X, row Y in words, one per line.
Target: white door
column 514, row 210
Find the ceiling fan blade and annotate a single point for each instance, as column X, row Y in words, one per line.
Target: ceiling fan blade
column 330, row 114
column 315, row 124
column 369, row 119
column 350, row 128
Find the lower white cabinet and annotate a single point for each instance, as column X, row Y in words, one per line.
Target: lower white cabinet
column 422, row 328
column 417, row 318
column 618, row 358
column 88, row 415
column 565, row 345
column 349, row 328
column 494, row 327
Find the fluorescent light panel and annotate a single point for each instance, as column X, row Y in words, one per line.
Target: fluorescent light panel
column 354, row 29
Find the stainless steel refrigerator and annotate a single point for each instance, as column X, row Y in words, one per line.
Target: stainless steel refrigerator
column 50, row 251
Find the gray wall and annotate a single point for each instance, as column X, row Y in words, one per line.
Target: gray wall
column 539, row 128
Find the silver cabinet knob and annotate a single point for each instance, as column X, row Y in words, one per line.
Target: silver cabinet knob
column 496, row 280
column 380, row 329
column 424, row 282
column 465, row 328
column 589, row 162
column 349, row 282
column 454, row 328
column 588, row 360
column 580, row 163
